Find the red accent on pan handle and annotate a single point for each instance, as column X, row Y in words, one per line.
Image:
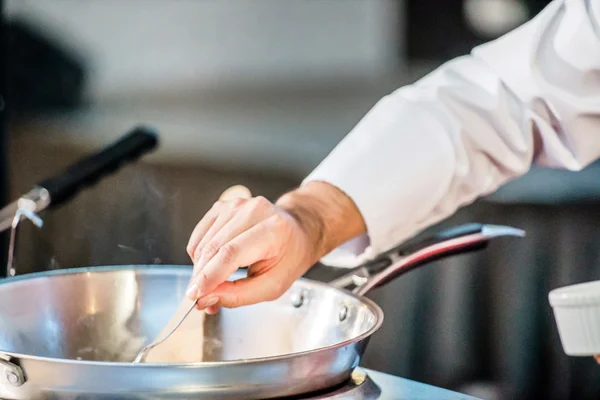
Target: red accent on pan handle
column 413, row 254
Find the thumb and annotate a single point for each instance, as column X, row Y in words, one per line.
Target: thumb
column 251, row 290
column 234, row 192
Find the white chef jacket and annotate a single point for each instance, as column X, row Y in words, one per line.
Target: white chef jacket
column 478, row 121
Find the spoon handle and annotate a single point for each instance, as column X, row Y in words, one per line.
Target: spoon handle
column 141, row 357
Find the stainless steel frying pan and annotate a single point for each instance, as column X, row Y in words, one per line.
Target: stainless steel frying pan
column 73, row 334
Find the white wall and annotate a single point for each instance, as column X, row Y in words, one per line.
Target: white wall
column 160, row 44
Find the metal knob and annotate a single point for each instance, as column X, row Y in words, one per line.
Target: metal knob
column 13, row 373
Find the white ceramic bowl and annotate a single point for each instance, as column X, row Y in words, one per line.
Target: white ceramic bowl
column 577, row 313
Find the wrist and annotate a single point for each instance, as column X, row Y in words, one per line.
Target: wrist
column 326, row 214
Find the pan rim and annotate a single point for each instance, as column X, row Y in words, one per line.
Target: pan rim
column 373, row 306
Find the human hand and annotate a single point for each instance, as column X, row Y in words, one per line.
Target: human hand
column 278, row 242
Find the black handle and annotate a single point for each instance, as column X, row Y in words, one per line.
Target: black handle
column 89, row 170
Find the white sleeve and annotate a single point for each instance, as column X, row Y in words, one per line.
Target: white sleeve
column 478, row 121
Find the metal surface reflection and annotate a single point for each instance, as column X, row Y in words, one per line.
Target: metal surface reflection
column 92, row 322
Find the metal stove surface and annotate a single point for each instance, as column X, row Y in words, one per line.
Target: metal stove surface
column 360, row 386
column 367, row 384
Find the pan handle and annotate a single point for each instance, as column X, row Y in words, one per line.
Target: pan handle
column 413, row 254
column 89, row 170
column 59, row 189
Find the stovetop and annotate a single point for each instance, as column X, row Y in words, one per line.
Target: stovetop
column 367, row 384
column 364, row 384
column 360, row 386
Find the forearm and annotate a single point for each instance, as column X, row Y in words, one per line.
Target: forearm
column 463, row 131
column 327, row 214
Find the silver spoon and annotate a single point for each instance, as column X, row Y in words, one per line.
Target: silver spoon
column 237, row 191
column 141, row 357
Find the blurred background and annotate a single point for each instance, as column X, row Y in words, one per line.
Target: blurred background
column 257, row 92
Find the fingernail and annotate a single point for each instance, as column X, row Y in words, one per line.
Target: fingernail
column 192, row 291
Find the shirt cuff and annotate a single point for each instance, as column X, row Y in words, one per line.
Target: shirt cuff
column 350, row 254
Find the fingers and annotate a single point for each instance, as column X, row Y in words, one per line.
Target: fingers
column 241, row 215
column 266, row 287
column 226, row 211
column 247, row 215
column 201, row 229
column 234, row 192
column 249, row 247
column 212, row 310
column 234, row 217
